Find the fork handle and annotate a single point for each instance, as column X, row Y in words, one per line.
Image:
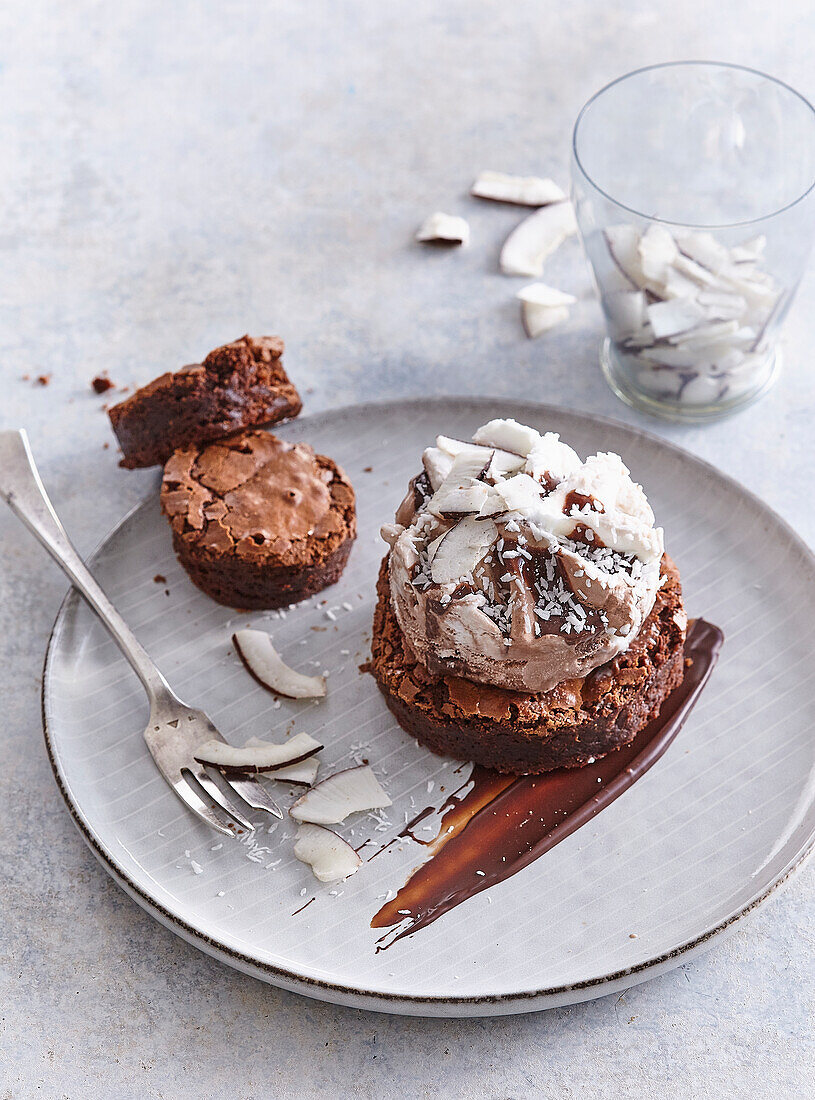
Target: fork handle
column 23, row 491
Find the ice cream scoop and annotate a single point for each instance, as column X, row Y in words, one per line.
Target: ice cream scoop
column 514, row 563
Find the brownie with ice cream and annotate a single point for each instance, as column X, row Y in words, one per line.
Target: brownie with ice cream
column 528, row 617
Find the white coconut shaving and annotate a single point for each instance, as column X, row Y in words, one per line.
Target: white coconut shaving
column 445, row 228
column 688, row 314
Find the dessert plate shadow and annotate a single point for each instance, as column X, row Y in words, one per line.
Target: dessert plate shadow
column 658, row 876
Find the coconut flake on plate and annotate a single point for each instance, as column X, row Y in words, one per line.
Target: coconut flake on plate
column 264, row 663
column 303, row 773
column 537, row 237
column 330, row 857
column 520, row 190
column 262, row 756
column 445, row 228
column 334, row 798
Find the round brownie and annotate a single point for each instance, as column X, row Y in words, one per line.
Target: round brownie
column 575, row 722
column 258, row 523
column 238, row 386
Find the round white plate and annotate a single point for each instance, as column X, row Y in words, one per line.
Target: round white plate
column 707, row 834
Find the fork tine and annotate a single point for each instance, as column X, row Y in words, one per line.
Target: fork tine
column 217, row 795
column 254, row 794
column 194, row 802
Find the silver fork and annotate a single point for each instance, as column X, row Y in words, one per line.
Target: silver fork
column 174, row 730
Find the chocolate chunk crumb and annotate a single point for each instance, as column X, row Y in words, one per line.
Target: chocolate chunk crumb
column 101, row 384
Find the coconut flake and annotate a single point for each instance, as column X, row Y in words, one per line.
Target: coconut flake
column 694, row 270
column 521, row 493
column 749, row 250
column 704, row 249
column 543, row 307
column 503, row 464
column 459, row 500
column 623, row 246
column 677, row 285
column 264, row 663
column 461, row 548
column 539, row 294
column 537, row 237
column 444, row 227
column 721, row 305
column 437, row 465
column 330, row 857
column 341, row 794
column 712, row 333
column 625, row 311
column 521, row 190
column 261, row 756
column 539, row 319
column 657, row 250
column 469, row 465
column 303, row 773
column 677, row 315
column 509, row 436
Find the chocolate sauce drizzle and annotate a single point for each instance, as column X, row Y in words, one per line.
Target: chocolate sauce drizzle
column 503, row 823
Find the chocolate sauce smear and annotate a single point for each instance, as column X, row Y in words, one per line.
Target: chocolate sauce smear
column 504, row 823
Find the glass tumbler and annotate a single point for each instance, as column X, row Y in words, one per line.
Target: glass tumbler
column 693, row 189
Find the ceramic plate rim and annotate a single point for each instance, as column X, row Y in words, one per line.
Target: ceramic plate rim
column 482, row 1004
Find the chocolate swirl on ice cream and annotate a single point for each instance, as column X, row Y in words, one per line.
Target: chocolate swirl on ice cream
column 515, row 564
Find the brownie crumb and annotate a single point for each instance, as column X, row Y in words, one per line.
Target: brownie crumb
column 43, row 379
column 367, row 469
column 160, row 579
column 101, row 384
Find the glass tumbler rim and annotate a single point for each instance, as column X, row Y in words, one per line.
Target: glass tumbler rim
column 679, row 65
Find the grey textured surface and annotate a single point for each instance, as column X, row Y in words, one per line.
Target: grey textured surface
column 175, row 175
